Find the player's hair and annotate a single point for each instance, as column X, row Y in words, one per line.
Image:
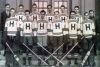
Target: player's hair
column 76, row 7
column 72, row 12
column 57, row 12
column 91, row 11
column 21, row 5
column 49, row 5
column 12, row 9
column 62, row 6
column 85, row 13
column 7, row 4
column 27, row 11
column 34, row 4
column 43, row 11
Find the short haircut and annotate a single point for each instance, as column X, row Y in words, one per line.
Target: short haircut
column 12, row 9
column 27, row 11
column 34, row 4
column 62, row 6
column 43, row 11
column 49, row 5
column 91, row 11
column 21, row 5
column 72, row 12
column 7, row 4
column 85, row 13
column 76, row 7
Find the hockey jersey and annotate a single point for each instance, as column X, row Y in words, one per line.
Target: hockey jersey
column 34, row 16
column 42, row 28
column 73, row 28
column 64, row 18
column 27, row 28
column 11, row 26
column 57, row 27
column 88, row 28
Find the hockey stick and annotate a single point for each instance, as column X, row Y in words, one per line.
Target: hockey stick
column 15, row 56
column 87, row 55
column 35, row 54
column 51, row 54
column 70, row 50
column 54, row 52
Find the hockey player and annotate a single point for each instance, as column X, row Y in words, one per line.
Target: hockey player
column 88, row 30
column 11, row 28
column 50, row 19
column 27, row 34
column 91, row 15
column 34, row 16
column 73, row 34
column 57, row 27
column 64, row 17
column 42, row 30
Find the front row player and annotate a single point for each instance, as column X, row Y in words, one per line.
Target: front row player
column 11, row 27
column 27, row 34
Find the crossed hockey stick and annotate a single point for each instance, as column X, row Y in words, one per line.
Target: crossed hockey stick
column 87, row 55
column 15, row 56
column 51, row 54
column 35, row 54
column 69, row 51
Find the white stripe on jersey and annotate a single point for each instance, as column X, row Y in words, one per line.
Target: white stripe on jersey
column 11, row 26
column 57, row 27
column 73, row 27
column 42, row 28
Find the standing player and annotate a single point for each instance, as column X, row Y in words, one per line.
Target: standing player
column 34, row 16
column 42, row 30
column 57, row 27
column 50, row 19
column 73, row 34
column 64, row 17
column 27, row 34
column 11, row 28
column 88, row 29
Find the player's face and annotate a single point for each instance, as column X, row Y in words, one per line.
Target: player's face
column 34, row 7
column 56, row 15
column 91, row 13
column 77, row 10
column 27, row 14
column 21, row 8
column 42, row 15
column 62, row 8
column 7, row 7
column 86, row 16
column 72, row 15
column 49, row 9
column 12, row 12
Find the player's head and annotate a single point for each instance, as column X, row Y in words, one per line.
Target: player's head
column 76, row 9
column 27, row 13
column 21, row 7
column 72, row 14
column 34, row 7
column 86, row 15
column 42, row 14
column 7, row 7
column 62, row 8
column 91, row 13
column 49, row 8
column 56, row 14
column 12, row 11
